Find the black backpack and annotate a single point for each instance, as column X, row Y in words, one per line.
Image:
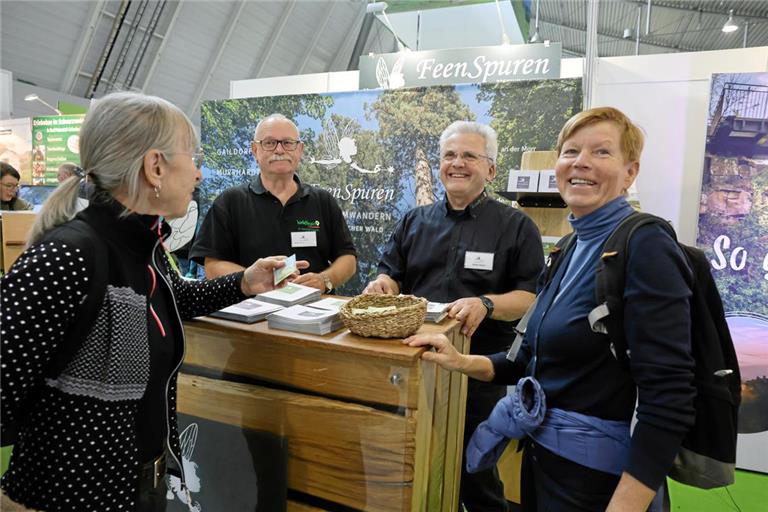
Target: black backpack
column 707, row 458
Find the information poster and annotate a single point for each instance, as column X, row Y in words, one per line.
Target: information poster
column 16, row 146
column 377, row 152
column 55, row 141
column 733, row 230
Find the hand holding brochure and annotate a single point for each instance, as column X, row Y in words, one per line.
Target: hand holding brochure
column 283, row 272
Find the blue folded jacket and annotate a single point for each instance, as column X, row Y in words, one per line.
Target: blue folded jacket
column 514, row 417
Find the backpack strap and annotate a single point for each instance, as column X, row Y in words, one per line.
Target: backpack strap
column 555, row 258
column 88, row 310
column 553, row 263
column 607, row 317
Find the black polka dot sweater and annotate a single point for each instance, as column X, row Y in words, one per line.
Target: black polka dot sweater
column 77, row 442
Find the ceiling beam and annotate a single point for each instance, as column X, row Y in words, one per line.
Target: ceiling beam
column 342, row 60
column 643, row 40
column 84, row 43
column 693, row 10
column 213, row 62
column 315, row 38
column 159, row 52
column 684, row 31
column 261, row 61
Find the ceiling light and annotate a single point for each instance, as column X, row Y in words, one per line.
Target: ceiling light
column 730, row 26
column 535, row 37
column 35, row 97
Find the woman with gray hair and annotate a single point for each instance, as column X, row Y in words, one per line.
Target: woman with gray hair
column 91, row 319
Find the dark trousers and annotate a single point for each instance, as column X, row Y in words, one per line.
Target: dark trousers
column 551, row 483
column 152, row 499
column 151, row 490
column 482, row 491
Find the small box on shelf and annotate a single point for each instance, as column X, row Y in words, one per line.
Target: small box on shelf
column 548, row 181
column 523, row 181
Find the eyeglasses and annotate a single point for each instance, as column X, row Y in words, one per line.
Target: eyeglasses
column 271, row 144
column 11, row 186
column 467, row 156
column 198, row 157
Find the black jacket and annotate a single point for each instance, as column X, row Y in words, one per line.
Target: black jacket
column 77, row 445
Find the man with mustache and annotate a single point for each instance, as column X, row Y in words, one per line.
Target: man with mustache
column 277, row 214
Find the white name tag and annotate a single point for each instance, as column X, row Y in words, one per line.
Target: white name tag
column 478, row 260
column 303, row 239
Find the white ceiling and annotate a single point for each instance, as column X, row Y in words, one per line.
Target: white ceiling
column 189, row 51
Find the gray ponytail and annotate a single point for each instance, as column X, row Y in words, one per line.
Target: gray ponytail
column 117, row 132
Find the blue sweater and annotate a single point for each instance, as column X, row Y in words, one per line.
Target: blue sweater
column 575, row 366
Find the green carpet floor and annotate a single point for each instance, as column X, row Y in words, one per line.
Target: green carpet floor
column 748, row 494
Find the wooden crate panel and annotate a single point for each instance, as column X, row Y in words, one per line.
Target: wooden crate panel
column 368, row 377
column 346, row 453
column 538, row 160
column 295, row 506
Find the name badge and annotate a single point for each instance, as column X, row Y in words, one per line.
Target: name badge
column 303, row 239
column 478, row 260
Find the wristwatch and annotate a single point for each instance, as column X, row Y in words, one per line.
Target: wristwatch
column 328, row 283
column 488, row 303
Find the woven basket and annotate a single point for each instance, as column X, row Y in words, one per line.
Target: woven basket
column 398, row 323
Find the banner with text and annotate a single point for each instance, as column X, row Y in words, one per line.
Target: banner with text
column 55, row 140
column 460, row 66
column 733, row 230
column 377, row 152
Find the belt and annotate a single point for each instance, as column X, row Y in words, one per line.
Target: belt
column 152, row 472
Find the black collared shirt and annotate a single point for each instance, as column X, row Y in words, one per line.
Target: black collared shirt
column 247, row 222
column 426, row 255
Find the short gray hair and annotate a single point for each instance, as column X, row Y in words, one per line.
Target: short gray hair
column 275, row 117
column 488, row 133
column 117, row 132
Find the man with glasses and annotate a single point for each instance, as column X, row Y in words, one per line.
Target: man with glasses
column 277, row 214
column 478, row 254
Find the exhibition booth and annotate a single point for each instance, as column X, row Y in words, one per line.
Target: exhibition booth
column 342, row 422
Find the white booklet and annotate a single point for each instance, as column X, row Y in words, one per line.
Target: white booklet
column 305, row 319
column 329, row 304
column 291, row 294
column 436, row 311
column 248, row 311
column 303, row 315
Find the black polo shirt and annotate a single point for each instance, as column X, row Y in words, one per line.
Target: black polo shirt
column 426, row 252
column 247, row 222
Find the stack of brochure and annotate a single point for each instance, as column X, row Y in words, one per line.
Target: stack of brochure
column 436, row 311
column 305, row 319
column 329, row 304
column 290, row 295
column 248, row 311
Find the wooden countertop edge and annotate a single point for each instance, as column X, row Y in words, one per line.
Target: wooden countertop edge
column 341, row 340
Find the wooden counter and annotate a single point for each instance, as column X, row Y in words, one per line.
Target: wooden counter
column 369, row 425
